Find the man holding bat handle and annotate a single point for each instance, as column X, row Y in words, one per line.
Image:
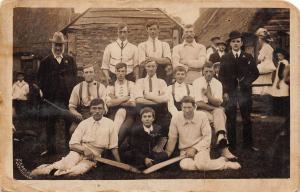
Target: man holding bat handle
column 193, row 130
column 89, row 140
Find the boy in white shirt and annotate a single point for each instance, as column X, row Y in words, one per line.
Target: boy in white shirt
column 178, row 90
column 20, row 91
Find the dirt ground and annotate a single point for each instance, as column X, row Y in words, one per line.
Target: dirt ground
column 272, row 161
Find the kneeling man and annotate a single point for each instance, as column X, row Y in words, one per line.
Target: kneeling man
column 194, row 133
column 94, row 134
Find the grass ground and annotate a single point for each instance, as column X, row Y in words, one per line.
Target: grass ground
column 272, row 161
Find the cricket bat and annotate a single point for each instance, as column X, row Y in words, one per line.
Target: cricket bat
column 163, row 164
column 113, row 163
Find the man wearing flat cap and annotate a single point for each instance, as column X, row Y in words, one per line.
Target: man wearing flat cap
column 213, row 48
column 237, row 73
column 56, row 78
column 216, row 56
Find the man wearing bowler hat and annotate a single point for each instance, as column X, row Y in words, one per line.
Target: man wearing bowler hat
column 56, row 78
column 237, row 73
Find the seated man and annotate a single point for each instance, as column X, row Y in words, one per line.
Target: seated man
column 152, row 91
column 178, row 90
column 208, row 96
column 145, row 148
column 194, row 133
column 83, row 93
column 121, row 102
column 94, row 134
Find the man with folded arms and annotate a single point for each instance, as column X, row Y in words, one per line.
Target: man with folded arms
column 190, row 55
column 208, row 97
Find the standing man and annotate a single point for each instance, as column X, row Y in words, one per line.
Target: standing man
column 213, row 48
column 190, row 55
column 238, row 71
column 193, row 132
column 120, row 51
column 56, row 78
column 154, row 50
column 209, row 98
column 216, row 56
column 82, row 95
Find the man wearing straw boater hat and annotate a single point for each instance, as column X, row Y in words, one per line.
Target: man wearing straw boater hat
column 56, row 79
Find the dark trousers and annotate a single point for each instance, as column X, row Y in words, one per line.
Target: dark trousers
column 51, row 116
column 243, row 99
column 281, row 106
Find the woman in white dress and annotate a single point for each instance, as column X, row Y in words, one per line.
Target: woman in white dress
column 280, row 89
column 262, row 85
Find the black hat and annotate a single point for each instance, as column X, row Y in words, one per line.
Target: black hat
column 234, row 35
column 215, row 38
column 282, row 51
column 20, row 73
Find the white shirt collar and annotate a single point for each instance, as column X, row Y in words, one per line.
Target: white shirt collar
column 234, row 52
column 150, row 39
column 20, row 83
column 57, row 56
column 119, row 41
column 148, row 130
column 193, row 44
column 118, row 82
column 179, row 85
column 153, row 77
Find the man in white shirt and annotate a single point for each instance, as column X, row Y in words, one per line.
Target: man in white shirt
column 90, row 139
column 121, row 51
column 208, row 96
column 154, row 50
column 193, row 131
column 152, row 92
column 120, row 100
column 190, row 55
column 213, row 48
column 82, row 95
column 178, row 90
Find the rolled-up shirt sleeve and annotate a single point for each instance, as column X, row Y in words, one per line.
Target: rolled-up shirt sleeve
column 74, row 98
column 106, row 58
column 139, row 89
column 176, row 58
column 78, row 134
column 166, row 50
column 113, row 137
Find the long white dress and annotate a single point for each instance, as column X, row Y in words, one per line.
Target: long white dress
column 283, row 91
column 265, row 68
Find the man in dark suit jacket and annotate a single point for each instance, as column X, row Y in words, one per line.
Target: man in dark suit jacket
column 216, row 56
column 238, row 71
column 56, row 78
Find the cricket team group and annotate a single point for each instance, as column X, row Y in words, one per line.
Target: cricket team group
column 158, row 103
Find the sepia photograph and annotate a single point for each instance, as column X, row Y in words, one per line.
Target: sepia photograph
column 152, row 93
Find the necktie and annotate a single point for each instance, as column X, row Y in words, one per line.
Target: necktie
column 150, row 84
column 154, row 48
column 236, row 56
column 88, row 91
column 122, row 44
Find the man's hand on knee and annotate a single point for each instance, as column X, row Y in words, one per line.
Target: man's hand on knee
column 191, row 152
